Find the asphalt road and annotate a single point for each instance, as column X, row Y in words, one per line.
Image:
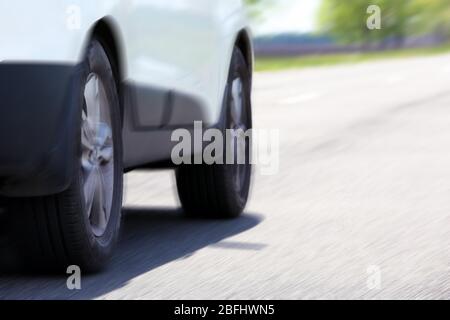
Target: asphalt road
column 360, row 207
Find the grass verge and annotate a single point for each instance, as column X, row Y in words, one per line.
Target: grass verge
column 281, row 63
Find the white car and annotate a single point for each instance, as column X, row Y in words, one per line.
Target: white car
column 92, row 89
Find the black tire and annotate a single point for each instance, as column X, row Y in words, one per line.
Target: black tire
column 210, row 191
column 50, row 233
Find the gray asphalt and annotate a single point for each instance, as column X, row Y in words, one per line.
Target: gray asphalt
column 360, row 207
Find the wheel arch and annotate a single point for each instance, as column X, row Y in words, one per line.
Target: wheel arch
column 108, row 32
column 244, row 43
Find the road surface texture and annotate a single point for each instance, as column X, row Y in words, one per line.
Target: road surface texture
column 360, row 207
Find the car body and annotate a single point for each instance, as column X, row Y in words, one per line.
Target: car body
column 93, row 89
column 180, row 66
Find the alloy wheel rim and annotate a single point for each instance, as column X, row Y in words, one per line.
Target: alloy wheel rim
column 97, row 159
column 239, row 125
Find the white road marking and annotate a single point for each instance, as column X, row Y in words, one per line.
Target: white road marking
column 301, row 98
column 446, row 69
column 394, row 79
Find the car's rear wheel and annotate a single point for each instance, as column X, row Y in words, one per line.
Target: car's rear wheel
column 222, row 190
column 80, row 225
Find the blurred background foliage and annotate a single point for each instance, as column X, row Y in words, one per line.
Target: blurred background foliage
column 346, row 20
column 341, row 35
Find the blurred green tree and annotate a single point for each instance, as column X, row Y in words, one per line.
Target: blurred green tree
column 431, row 16
column 347, row 20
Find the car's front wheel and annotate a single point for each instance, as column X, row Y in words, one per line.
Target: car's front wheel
column 80, row 225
